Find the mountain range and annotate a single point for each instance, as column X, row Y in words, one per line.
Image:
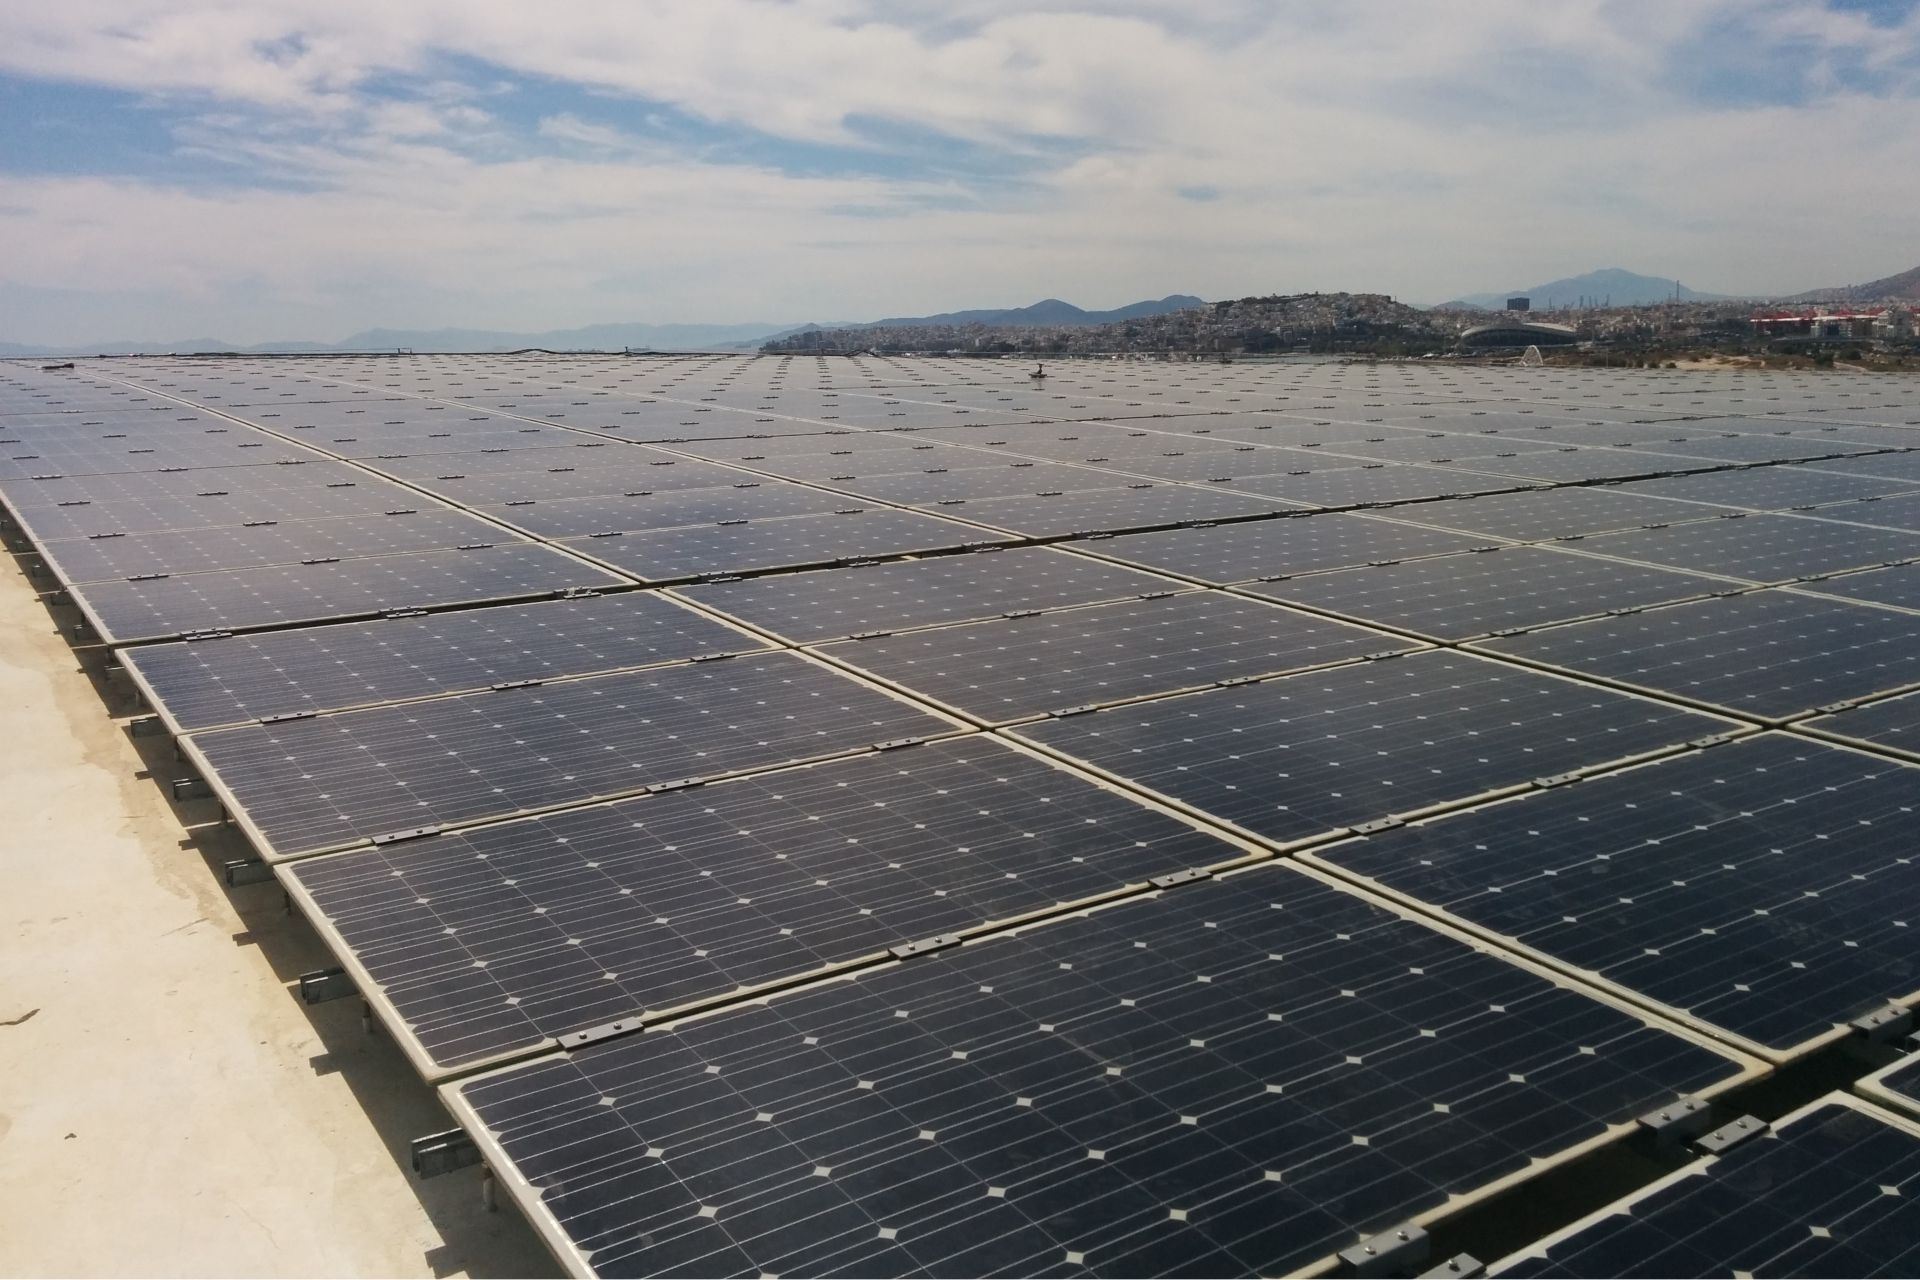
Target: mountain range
column 1609, row 286
column 615, row 337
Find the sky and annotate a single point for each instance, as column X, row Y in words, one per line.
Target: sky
column 260, row 170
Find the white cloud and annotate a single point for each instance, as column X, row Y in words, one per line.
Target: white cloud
column 1419, row 148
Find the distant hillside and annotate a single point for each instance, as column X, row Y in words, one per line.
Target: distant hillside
column 1610, row 286
column 1263, row 324
column 613, row 337
column 1047, row 312
column 1904, row 287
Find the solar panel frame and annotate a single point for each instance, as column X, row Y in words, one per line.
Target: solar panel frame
column 459, row 1095
column 1896, row 1086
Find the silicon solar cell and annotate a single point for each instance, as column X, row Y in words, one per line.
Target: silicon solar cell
column 1236, row 1078
column 1458, row 596
column 168, row 607
column 1308, row 755
column 913, row 593
column 1759, row 887
column 671, row 555
column 1011, row 668
column 1763, row 653
column 1832, row 1190
column 1242, row 552
column 233, row 679
column 331, row 781
column 496, row 939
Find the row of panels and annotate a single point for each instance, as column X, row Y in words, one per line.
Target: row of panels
column 1198, row 901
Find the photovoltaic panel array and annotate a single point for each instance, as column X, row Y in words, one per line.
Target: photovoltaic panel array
column 1833, row 1190
column 232, row 679
column 1749, row 886
column 1764, row 653
column 502, row 937
column 1311, row 754
column 1238, row 1078
column 328, row 781
column 896, row 815
column 1022, row 666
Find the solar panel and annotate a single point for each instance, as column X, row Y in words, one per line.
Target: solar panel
column 1759, row 887
column 167, row 607
column 744, row 500
column 1308, row 755
column 1242, row 552
column 187, row 482
column 1111, row 510
column 1008, row 669
column 1762, row 548
column 677, row 555
column 1537, row 515
column 1889, row 466
column 1892, row 724
column 1762, row 653
column 496, row 939
column 1457, row 596
column 1235, row 1077
column 103, row 557
column 1899, row 512
column 225, row 680
column 1573, row 463
column 915, row 593
column 1898, row 586
column 1832, row 1190
column 1327, row 485
column 1766, row 488
column 211, row 507
column 932, row 480
column 322, row 783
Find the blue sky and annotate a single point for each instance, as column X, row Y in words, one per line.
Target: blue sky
column 253, row 170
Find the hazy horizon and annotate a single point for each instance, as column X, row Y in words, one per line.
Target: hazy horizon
column 307, row 170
